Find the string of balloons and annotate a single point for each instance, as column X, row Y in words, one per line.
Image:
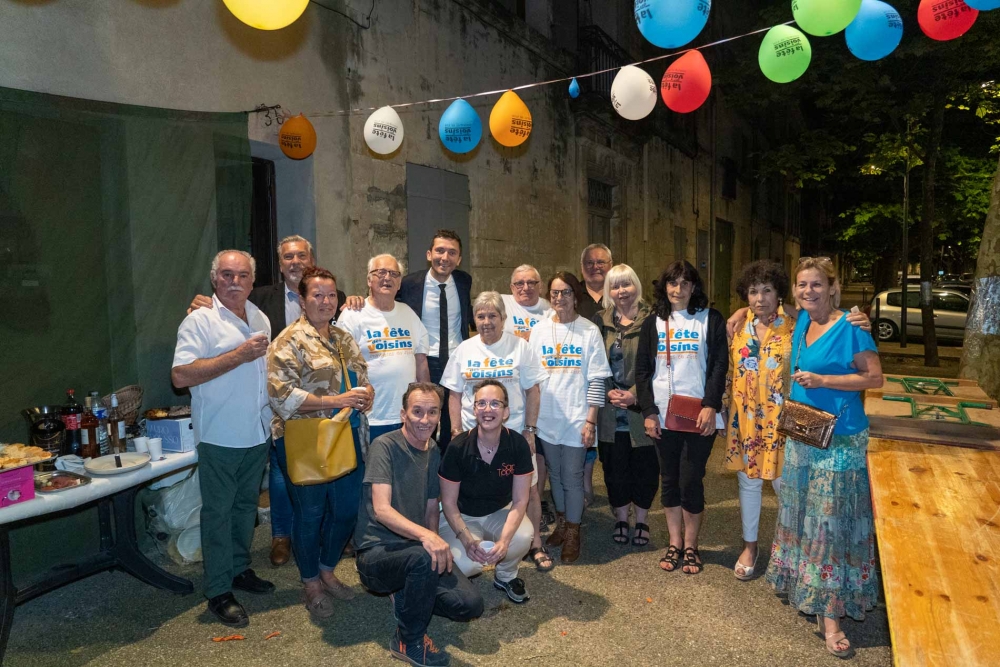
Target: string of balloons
column 872, row 30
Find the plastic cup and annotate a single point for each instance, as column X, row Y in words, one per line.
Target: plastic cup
column 486, row 545
column 141, row 444
column 155, row 449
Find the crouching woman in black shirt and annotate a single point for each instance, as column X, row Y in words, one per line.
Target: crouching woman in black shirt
column 486, row 475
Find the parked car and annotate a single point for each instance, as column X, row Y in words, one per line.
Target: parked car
column 964, row 288
column 950, row 309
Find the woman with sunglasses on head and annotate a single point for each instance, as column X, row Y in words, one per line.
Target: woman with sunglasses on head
column 760, row 351
column 572, row 353
column 631, row 469
column 680, row 379
column 823, row 556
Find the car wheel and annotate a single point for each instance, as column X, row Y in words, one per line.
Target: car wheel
column 886, row 330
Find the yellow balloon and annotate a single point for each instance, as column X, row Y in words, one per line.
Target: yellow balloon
column 510, row 120
column 267, row 14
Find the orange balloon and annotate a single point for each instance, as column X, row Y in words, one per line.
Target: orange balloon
column 686, row 83
column 510, row 120
column 297, row 137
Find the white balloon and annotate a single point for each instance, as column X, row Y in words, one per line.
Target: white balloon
column 633, row 93
column 384, row 131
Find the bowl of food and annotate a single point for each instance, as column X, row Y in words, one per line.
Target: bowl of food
column 60, row 480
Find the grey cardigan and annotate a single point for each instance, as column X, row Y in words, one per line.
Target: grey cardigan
column 607, row 417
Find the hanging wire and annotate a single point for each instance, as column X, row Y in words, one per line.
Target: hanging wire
column 318, row 114
column 368, row 19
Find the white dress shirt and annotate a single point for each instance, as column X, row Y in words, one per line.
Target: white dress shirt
column 293, row 305
column 232, row 410
column 431, row 314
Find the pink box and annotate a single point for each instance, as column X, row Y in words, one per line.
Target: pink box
column 17, row 485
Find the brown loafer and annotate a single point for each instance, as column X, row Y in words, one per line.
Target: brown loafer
column 281, row 550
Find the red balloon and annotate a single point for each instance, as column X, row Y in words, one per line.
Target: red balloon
column 945, row 19
column 686, row 83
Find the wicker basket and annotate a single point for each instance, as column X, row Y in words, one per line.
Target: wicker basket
column 129, row 402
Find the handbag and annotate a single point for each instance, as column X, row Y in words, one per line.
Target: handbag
column 804, row 423
column 321, row 450
column 682, row 411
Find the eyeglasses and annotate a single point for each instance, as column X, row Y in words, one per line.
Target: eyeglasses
column 556, row 293
column 482, row 404
column 818, row 259
column 596, row 264
column 521, row 284
column 386, row 273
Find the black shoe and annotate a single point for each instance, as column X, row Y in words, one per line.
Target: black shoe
column 248, row 581
column 228, row 611
column 513, row 588
column 420, row 654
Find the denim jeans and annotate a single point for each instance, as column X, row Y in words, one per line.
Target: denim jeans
column 565, row 465
column 323, row 516
column 281, row 502
column 403, row 570
column 376, row 431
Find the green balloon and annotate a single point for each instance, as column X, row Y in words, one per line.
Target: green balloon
column 784, row 54
column 824, row 17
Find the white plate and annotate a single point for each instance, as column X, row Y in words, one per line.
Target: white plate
column 105, row 465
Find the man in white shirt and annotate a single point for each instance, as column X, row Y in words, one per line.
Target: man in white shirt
column 393, row 341
column 525, row 307
column 220, row 357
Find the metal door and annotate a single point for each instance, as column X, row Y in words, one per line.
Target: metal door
column 435, row 199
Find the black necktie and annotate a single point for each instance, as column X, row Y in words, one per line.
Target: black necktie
column 443, row 349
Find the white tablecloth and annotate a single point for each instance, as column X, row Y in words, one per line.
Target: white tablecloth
column 100, row 486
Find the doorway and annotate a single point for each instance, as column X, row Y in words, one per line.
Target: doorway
column 723, row 279
column 435, row 199
column 264, row 223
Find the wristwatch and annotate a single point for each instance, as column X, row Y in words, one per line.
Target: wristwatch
column 531, row 429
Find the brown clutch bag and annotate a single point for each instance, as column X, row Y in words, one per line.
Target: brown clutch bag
column 682, row 411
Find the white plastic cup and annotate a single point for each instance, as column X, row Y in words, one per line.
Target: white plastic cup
column 141, row 444
column 155, row 449
column 486, row 545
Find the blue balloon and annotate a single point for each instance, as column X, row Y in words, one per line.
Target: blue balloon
column 574, row 89
column 983, row 5
column 875, row 32
column 671, row 23
column 460, row 128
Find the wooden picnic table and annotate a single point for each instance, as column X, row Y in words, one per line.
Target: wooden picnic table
column 937, row 518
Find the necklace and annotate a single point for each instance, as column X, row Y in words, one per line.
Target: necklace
column 569, row 334
column 489, row 451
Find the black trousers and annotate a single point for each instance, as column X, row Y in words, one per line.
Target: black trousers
column 404, row 571
column 682, row 468
column 630, row 473
column 436, row 369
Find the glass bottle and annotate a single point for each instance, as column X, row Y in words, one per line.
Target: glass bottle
column 116, row 427
column 90, row 444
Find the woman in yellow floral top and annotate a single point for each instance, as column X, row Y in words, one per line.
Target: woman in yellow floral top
column 305, row 380
column 760, row 351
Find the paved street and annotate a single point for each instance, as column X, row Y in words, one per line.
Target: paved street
column 613, row 606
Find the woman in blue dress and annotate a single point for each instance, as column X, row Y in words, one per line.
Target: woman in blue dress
column 823, row 557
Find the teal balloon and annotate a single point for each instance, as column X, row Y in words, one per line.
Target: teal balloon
column 669, row 24
column 875, row 32
column 574, row 89
column 983, row 5
column 460, row 129
column 785, row 54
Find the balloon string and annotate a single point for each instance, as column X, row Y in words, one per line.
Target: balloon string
column 543, row 83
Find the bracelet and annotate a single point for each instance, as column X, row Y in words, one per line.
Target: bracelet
column 594, row 424
column 531, row 429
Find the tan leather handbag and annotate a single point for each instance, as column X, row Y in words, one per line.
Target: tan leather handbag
column 321, row 450
column 804, row 423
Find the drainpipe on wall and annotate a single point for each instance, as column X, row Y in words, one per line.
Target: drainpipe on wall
column 711, row 211
column 645, row 192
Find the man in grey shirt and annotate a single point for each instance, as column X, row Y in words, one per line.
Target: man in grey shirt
column 399, row 549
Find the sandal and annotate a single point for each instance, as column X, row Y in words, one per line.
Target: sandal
column 548, row 516
column 640, row 540
column 320, row 605
column 839, row 639
column 692, row 559
column 620, row 536
column 671, row 558
column 745, row 572
column 539, row 556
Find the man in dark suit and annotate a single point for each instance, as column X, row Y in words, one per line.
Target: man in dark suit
column 594, row 265
column 442, row 299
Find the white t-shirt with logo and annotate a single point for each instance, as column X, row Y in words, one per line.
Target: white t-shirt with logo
column 688, row 355
column 509, row 360
column 521, row 319
column 388, row 342
column 573, row 354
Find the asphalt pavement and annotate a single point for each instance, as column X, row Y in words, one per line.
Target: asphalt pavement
column 613, row 606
